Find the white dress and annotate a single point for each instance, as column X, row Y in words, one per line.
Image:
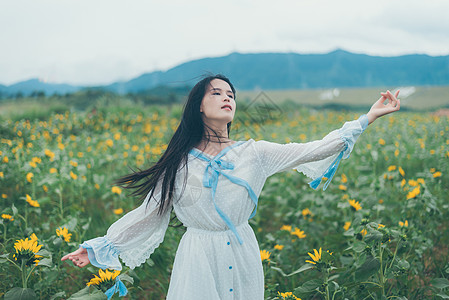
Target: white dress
column 218, row 256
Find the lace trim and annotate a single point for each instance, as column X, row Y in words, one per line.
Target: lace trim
column 312, row 174
column 133, row 259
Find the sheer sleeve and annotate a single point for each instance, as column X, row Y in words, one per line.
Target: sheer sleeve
column 134, row 237
column 315, row 159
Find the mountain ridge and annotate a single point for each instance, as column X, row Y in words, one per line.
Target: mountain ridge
column 272, row 71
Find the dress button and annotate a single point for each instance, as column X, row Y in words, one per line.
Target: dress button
column 230, row 267
column 229, row 243
column 230, row 290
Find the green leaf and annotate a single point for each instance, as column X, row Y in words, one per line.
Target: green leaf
column 45, row 262
column 44, row 252
column 444, row 296
column 85, row 293
column 58, row 241
column 346, row 260
column 309, row 286
column 14, row 210
column 43, row 200
column 359, row 247
column 349, row 232
column 57, row 295
column 302, row 269
column 369, row 267
column 279, row 270
column 86, row 226
column 18, row 293
column 373, row 236
column 72, row 224
column 440, row 283
column 3, row 258
column 150, row 262
column 404, row 264
column 127, row 278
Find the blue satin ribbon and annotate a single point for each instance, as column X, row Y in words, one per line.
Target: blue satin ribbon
column 349, row 139
column 117, row 287
column 329, row 173
column 215, row 167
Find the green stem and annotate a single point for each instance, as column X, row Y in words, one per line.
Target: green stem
column 4, row 232
column 394, row 255
column 381, row 273
column 31, row 272
column 24, row 279
column 60, row 201
column 14, row 264
column 26, row 216
column 33, row 190
column 372, row 283
column 326, row 282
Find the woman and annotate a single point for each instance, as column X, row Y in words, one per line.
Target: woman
column 218, row 256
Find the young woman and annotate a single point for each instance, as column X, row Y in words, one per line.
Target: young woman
column 213, row 184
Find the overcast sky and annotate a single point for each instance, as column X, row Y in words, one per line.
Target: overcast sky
column 89, row 42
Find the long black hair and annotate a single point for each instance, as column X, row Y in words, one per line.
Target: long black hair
column 190, row 132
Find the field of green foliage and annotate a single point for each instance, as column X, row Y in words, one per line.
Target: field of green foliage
column 379, row 231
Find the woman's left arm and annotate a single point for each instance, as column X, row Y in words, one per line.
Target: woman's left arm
column 349, row 133
column 319, row 159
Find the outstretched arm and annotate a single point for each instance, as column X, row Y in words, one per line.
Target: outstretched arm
column 320, row 158
column 133, row 237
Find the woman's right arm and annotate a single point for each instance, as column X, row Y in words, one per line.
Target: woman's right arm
column 133, row 238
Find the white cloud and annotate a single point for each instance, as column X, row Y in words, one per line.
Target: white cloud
column 98, row 42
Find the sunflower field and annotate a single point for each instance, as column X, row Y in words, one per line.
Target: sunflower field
column 379, row 231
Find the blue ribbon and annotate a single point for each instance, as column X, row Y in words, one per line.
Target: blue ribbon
column 215, row 167
column 117, row 287
column 329, row 173
column 349, row 140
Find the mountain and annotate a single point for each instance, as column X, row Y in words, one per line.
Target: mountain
column 35, row 85
column 282, row 71
column 302, row 71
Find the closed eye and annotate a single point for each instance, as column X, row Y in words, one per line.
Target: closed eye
column 218, row 93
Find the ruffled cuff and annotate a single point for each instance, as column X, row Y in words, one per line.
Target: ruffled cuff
column 363, row 119
column 102, row 253
column 349, row 133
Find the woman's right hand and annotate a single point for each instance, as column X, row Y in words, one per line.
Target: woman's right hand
column 79, row 257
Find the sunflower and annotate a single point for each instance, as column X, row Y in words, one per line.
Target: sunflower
column 316, row 258
column 105, row 280
column 64, row 232
column 26, row 251
column 287, row 295
column 265, row 255
column 355, row 204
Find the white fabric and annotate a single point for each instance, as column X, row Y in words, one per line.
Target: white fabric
column 210, row 263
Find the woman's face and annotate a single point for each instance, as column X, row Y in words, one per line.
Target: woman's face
column 218, row 105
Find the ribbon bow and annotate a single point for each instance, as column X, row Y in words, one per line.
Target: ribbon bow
column 329, row 173
column 117, row 287
column 214, row 168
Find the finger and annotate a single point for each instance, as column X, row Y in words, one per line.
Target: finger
column 68, row 256
column 396, row 94
column 381, row 100
column 398, row 106
column 82, row 264
column 393, row 100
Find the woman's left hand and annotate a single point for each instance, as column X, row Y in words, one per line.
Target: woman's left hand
column 380, row 109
